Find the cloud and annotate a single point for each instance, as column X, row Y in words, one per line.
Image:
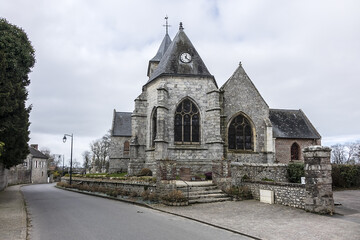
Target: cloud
column 92, row 57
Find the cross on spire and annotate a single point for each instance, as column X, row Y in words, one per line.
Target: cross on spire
column 166, row 24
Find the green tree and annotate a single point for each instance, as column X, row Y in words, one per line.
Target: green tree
column 17, row 57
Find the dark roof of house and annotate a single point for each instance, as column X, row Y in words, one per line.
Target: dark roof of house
column 171, row 65
column 36, row 153
column 121, row 124
column 162, row 49
column 292, row 124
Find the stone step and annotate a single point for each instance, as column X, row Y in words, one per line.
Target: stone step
column 196, row 189
column 215, row 191
column 193, row 184
column 208, row 200
column 214, row 195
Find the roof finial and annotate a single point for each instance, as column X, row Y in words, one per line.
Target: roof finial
column 166, row 24
column 181, row 26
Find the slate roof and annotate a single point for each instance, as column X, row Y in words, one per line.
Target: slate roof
column 292, row 124
column 37, row 154
column 171, row 65
column 121, row 124
column 162, row 49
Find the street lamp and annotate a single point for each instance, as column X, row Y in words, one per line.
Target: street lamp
column 64, row 140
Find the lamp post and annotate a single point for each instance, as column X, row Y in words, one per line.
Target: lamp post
column 64, row 140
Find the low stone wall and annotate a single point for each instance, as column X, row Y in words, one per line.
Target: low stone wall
column 3, row 177
column 289, row 194
column 131, row 186
column 258, row 172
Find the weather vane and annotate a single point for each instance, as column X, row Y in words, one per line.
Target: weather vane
column 166, row 24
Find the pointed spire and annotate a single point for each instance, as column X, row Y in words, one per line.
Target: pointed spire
column 171, row 65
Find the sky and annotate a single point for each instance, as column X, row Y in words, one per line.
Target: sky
column 92, row 58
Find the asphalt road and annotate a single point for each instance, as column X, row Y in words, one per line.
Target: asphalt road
column 58, row 214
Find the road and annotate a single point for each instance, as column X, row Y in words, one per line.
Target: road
column 59, row 214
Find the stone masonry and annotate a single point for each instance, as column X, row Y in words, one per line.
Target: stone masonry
column 319, row 195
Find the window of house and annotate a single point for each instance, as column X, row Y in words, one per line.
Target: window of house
column 25, row 164
column 187, row 123
column 295, row 151
column 36, row 164
column 154, row 128
column 240, row 135
column 126, row 147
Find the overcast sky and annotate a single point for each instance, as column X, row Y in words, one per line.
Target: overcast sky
column 92, row 57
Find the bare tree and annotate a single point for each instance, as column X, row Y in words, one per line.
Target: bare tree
column 100, row 153
column 348, row 153
column 338, row 154
column 87, row 160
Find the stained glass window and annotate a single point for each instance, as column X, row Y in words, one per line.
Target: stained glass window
column 240, row 135
column 187, row 123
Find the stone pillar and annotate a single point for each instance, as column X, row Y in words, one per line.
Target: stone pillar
column 319, row 196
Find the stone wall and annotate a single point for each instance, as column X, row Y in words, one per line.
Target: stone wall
column 283, row 148
column 288, row 194
column 314, row 196
column 240, row 96
column 3, row 177
column 118, row 159
column 39, row 170
column 18, row 175
column 258, row 172
column 164, row 94
column 319, row 195
column 131, row 186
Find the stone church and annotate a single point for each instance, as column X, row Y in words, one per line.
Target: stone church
column 182, row 115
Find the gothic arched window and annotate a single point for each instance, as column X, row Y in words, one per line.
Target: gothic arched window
column 154, row 127
column 295, row 151
column 240, row 136
column 126, row 147
column 187, row 123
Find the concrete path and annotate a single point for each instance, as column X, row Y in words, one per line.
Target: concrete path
column 12, row 214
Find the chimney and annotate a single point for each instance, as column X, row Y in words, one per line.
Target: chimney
column 36, row 146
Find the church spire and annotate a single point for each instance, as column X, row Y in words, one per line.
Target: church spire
column 161, row 51
column 180, row 59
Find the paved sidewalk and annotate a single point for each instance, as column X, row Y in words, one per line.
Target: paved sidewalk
column 12, row 214
column 276, row 222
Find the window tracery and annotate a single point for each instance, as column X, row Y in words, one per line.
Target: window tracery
column 187, row 123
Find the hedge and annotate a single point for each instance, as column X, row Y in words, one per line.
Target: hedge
column 345, row 176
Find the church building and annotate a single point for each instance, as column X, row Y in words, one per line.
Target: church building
column 182, row 115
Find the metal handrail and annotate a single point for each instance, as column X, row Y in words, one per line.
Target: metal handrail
column 187, row 188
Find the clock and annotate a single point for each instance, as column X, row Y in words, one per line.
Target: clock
column 185, row 57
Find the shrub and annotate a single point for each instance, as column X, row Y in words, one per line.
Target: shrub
column 295, row 172
column 345, row 176
column 153, row 197
column 174, row 196
column 145, row 172
column 145, row 195
column 63, row 184
column 133, row 194
column 239, row 193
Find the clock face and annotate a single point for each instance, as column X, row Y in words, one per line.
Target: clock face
column 185, row 57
